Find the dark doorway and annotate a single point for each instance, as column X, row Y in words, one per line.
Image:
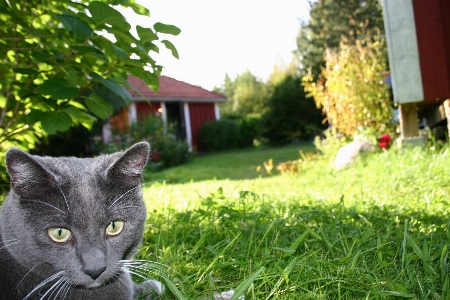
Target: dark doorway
column 175, row 118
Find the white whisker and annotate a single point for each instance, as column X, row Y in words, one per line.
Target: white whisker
column 4, row 246
column 132, row 189
column 53, row 287
column 48, row 204
column 62, row 287
column 40, row 285
column 66, row 290
column 137, row 274
column 20, row 282
column 64, row 196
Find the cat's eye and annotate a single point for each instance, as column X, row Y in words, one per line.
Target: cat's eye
column 59, row 234
column 115, row 227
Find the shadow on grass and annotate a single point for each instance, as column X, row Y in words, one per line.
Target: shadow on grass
column 233, row 165
column 309, row 251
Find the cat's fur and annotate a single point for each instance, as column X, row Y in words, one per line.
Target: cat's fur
column 83, row 196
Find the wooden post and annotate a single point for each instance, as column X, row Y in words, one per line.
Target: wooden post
column 408, row 120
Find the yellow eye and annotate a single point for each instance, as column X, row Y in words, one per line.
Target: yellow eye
column 115, row 227
column 59, row 235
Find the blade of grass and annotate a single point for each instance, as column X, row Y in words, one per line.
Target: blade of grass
column 244, row 285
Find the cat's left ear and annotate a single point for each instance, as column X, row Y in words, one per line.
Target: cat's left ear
column 129, row 166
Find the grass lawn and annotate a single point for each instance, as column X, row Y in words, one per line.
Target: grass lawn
column 237, row 164
column 378, row 230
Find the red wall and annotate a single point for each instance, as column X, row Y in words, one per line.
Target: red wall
column 432, row 18
column 143, row 109
column 199, row 114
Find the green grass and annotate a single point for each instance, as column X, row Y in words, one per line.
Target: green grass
column 378, row 230
column 236, row 164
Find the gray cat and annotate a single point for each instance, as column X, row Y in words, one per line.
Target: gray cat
column 69, row 227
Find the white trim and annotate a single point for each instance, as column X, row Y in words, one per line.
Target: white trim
column 132, row 113
column 187, row 121
column 106, row 132
column 403, row 51
column 217, row 111
column 164, row 112
column 164, row 116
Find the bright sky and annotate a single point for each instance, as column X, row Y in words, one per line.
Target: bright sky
column 226, row 37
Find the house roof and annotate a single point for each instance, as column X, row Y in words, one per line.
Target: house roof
column 172, row 90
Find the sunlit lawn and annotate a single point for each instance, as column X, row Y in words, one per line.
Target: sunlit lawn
column 377, row 230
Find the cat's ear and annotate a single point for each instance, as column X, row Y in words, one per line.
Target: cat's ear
column 26, row 174
column 128, row 167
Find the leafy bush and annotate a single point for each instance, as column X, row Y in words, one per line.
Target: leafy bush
column 168, row 149
column 218, row 135
column 292, row 115
column 173, row 152
column 250, row 129
column 351, row 91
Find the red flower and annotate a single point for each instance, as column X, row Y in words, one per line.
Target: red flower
column 385, row 140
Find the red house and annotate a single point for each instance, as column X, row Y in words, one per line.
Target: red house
column 188, row 105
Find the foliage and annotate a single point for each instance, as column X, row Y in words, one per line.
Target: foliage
column 218, row 135
column 170, row 151
column 378, row 230
column 246, row 94
column 291, row 114
column 250, row 128
column 351, row 91
column 329, row 22
column 55, row 54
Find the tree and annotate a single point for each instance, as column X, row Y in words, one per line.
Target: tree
column 330, row 21
column 246, row 94
column 351, row 91
column 291, row 114
column 57, row 55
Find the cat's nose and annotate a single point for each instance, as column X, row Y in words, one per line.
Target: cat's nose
column 94, row 273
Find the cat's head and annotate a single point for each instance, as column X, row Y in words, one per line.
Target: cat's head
column 80, row 216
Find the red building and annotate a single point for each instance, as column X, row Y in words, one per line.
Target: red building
column 188, row 105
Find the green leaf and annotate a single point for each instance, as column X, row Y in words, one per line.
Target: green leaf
column 26, row 71
column 146, row 34
column 40, row 56
column 79, row 29
column 102, row 13
column 98, row 106
column 86, row 49
column 165, row 28
column 71, row 76
column 113, row 86
column 171, row 47
column 151, row 47
column 120, row 52
column 56, row 121
column 139, row 9
column 34, row 115
column 57, row 89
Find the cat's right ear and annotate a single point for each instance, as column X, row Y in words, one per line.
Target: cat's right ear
column 129, row 166
column 26, row 174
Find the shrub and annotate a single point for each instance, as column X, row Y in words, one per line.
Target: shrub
column 250, row 128
column 218, row 135
column 291, row 115
column 351, row 91
column 171, row 151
